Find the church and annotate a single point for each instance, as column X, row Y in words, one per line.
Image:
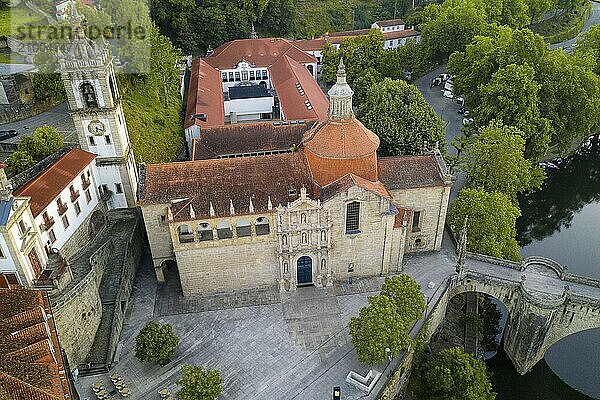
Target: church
column 291, row 204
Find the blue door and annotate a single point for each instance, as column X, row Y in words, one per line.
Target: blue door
column 304, row 270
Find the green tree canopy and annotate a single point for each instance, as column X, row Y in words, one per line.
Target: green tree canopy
column 491, row 227
column 377, row 327
column 407, row 294
column 398, row 113
column 590, row 43
column 199, row 384
column 512, row 96
column 456, row 375
column 19, row 161
column 363, row 83
column 495, row 162
column 155, row 342
column 46, row 140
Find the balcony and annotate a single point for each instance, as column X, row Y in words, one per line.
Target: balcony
column 105, row 194
column 74, row 195
column 62, row 208
column 85, row 183
column 48, row 223
column 56, row 276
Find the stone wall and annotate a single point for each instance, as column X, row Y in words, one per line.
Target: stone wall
column 432, row 202
column 81, row 237
column 78, row 310
column 159, row 236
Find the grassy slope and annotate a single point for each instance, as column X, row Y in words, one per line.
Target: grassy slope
column 13, row 17
column 156, row 132
column 319, row 16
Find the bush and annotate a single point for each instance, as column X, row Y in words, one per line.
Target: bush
column 199, row 384
column 19, row 161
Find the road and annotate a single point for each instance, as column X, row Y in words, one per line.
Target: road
column 57, row 117
column 594, row 19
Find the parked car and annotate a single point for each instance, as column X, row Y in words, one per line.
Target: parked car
column 448, row 94
column 449, row 86
column 467, row 121
column 7, row 134
column 460, row 101
column 461, row 110
column 435, row 82
column 444, row 77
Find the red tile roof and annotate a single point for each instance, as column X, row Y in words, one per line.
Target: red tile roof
column 347, row 181
column 205, row 96
column 286, row 74
column 227, row 140
column 31, row 365
column 406, row 172
column 389, row 22
column 261, row 52
column 401, row 34
column 217, row 182
column 44, row 188
column 341, row 139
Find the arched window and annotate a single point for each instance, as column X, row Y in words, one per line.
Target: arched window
column 323, row 236
column 186, row 235
column 262, row 226
column 224, row 230
column 353, row 217
column 323, row 264
column 304, row 238
column 243, row 228
column 89, row 95
column 303, row 218
column 205, row 231
column 284, row 240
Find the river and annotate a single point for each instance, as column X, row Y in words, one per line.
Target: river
column 561, row 221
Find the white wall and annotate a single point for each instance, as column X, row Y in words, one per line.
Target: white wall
column 75, row 220
column 109, row 175
column 247, row 107
column 7, row 264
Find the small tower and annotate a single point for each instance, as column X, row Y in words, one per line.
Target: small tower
column 340, row 96
column 88, row 74
column 253, row 34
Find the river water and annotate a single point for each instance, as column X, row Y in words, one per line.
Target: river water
column 562, row 222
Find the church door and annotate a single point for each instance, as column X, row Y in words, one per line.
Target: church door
column 304, row 270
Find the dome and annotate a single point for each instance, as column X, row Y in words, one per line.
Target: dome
column 342, row 139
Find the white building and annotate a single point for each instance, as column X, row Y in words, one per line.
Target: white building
column 63, row 197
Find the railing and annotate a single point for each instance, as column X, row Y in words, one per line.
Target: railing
column 74, row 195
column 85, row 183
column 62, row 208
column 105, row 195
column 48, row 223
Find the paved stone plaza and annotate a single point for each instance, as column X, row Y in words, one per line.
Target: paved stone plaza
column 297, row 348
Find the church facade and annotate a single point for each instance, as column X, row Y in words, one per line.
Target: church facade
column 304, row 204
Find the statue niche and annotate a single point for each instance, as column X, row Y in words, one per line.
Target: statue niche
column 89, row 95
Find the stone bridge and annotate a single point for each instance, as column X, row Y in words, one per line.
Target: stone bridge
column 545, row 302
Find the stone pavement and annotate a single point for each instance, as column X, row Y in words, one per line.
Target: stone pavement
column 298, row 348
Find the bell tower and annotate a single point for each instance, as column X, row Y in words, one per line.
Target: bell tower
column 87, row 71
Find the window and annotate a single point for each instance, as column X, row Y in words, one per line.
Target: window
column 92, row 140
column 22, row 228
column 52, row 236
column 224, row 230
column 304, row 238
column 264, row 74
column 231, row 77
column 88, row 94
column 244, row 75
column 352, row 217
column 416, row 221
column 205, row 231
column 118, row 188
column 237, row 76
column 351, row 267
column 243, row 228
column 2, row 253
column 77, row 208
column 323, row 236
column 107, row 139
column 65, row 221
column 185, row 234
column 252, row 76
column 88, row 196
column 224, row 76
column 262, row 226
column 163, row 219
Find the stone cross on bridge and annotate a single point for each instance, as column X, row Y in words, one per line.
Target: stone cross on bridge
column 545, row 302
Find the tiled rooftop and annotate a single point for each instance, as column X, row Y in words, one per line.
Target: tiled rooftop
column 404, row 172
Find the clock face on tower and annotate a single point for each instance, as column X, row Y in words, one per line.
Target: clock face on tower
column 96, row 127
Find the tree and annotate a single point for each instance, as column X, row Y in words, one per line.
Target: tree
column 456, row 375
column 46, row 140
column 199, row 384
column 155, row 342
column 407, row 295
column 398, row 113
column 363, row 83
column 495, row 162
column 331, row 60
column 512, row 96
column 46, row 83
column 449, row 27
column 537, row 8
column 377, row 327
column 590, row 43
column 19, row 161
column 491, row 227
